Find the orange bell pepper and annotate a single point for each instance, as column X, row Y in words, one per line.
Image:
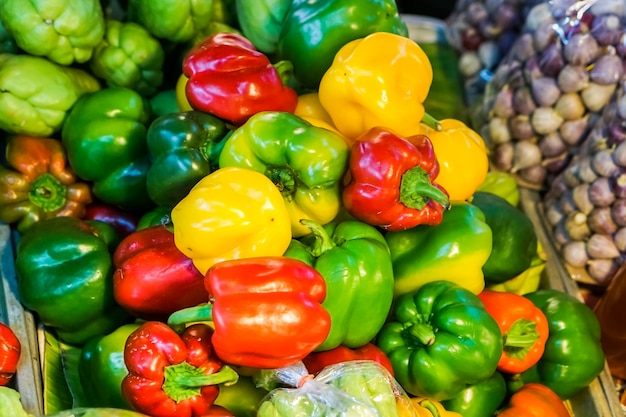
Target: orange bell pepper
column 535, row 400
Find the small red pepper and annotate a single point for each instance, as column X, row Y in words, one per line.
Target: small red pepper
column 524, row 329
column 266, row 311
column 172, row 375
column 124, row 222
column 391, row 181
column 10, row 351
column 153, row 278
column 535, row 400
column 230, row 79
column 316, row 361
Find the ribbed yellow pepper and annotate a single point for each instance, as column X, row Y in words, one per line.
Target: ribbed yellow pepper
column 379, row 80
column 231, row 213
column 462, row 156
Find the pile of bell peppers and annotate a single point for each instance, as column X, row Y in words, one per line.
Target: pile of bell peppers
column 203, row 193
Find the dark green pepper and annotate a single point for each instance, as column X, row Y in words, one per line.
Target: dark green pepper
column 156, row 216
column 105, row 138
column 573, row 356
column 514, row 237
column 479, row 400
column 184, row 147
column 65, row 274
column 101, row 368
column 353, row 258
column 439, row 340
column 314, row 30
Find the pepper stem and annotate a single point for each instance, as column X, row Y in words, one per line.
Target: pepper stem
column 48, row 193
column 178, row 319
column 431, row 122
column 285, row 180
column 183, row 381
column 521, row 336
column 416, row 189
column 322, row 242
column 422, row 332
column 431, row 407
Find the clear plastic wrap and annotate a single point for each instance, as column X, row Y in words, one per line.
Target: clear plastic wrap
column 585, row 205
column 358, row 388
column 550, row 88
column 482, row 31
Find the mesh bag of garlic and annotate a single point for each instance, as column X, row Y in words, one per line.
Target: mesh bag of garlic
column 548, row 91
column 482, row 31
column 586, row 203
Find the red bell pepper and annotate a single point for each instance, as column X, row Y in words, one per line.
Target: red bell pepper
column 172, row 375
column 266, row 311
column 316, row 361
column 524, row 329
column 229, row 78
column 535, row 400
column 153, row 278
column 10, row 351
column 391, row 181
column 124, row 222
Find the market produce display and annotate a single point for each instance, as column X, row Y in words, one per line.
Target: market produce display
column 245, row 208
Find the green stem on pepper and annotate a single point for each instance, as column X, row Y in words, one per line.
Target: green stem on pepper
column 323, row 242
column 184, row 381
column 416, row 190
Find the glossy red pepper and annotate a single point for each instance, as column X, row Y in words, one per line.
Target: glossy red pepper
column 535, row 400
column 392, row 181
column 229, row 78
column 153, row 278
column 524, row 329
column 266, row 311
column 316, row 361
column 172, row 375
column 124, row 222
column 10, row 351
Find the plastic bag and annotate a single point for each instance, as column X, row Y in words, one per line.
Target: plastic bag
column 586, row 203
column 358, row 388
column 482, row 31
column 548, row 91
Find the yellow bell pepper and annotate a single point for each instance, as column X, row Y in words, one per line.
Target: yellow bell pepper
column 310, row 109
column 462, row 155
column 379, row 80
column 231, row 213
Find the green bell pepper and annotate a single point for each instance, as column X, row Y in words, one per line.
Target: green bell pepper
column 482, row 399
column 261, row 21
column 353, row 257
column 573, row 356
column 129, row 56
column 241, row 398
column 439, row 340
column 7, row 43
column 503, row 184
column 184, row 147
column 455, row 250
column 314, row 30
column 156, row 216
column 63, row 31
column 172, row 20
column 101, row 368
column 105, row 138
column 514, row 237
column 65, row 275
column 305, row 162
column 37, row 93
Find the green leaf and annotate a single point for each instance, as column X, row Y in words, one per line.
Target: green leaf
column 70, row 356
column 56, row 394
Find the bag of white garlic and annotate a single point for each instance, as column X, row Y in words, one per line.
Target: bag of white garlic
column 585, row 205
column 550, row 88
column 482, row 31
